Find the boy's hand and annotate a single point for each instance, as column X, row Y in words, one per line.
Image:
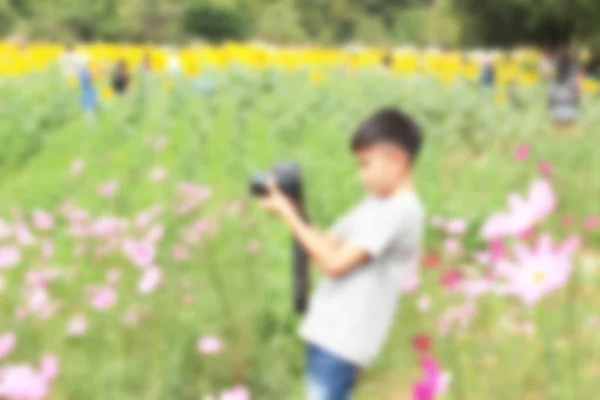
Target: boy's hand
column 276, row 202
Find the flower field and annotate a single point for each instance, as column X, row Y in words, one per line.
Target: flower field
column 135, row 265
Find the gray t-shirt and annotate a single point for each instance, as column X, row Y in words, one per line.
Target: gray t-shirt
column 351, row 315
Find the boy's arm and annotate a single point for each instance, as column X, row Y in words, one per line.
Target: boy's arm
column 330, row 255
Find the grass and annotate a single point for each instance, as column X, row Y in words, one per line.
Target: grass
column 249, row 122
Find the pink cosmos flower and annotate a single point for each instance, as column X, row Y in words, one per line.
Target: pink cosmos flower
column 151, row 278
column 10, row 256
column 108, row 225
column 452, row 247
column 461, row 315
column 49, row 367
column 113, row 275
column 23, row 382
column 424, row 303
column 43, row 220
column 209, row 345
column 141, row 254
column 77, row 167
column 456, row 226
column 190, row 197
column 451, row 278
column 539, row 271
column 77, row 325
column 155, row 234
column 546, row 169
column 236, row 393
column 411, row 282
column 523, row 214
column 24, row 235
column 474, row 288
column 591, row 223
column 180, row 253
column 522, row 152
column 102, row 297
column 158, row 174
column 433, row 383
column 47, row 249
column 8, row 341
column 108, row 189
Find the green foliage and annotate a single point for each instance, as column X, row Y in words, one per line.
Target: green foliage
column 508, row 22
column 213, row 20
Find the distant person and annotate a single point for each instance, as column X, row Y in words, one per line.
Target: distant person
column 488, row 72
column 366, row 257
column 71, row 62
column 120, row 78
column 89, row 97
column 564, row 91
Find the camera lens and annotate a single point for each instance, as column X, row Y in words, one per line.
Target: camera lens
column 258, row 184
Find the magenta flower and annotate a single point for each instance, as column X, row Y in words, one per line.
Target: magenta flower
column 10, row 256
column 433, row 383
column 537, row 272
column 77, row 325
column 141, row 254
column 210, row 345
column 150, row 280
column 8, row 341
column 108, row 189
column 523, row 214
column 102, row 297
column 591, row 223
column 522, row 152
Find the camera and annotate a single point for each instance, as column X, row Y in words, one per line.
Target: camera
column 288, row 177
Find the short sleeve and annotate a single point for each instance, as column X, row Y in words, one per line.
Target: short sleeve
column 377, row 229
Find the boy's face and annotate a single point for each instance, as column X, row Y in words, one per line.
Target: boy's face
column 383, row 168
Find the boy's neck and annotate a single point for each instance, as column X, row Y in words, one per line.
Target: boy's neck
column 404, row 185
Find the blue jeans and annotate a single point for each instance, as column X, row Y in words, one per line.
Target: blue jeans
column 329, row 377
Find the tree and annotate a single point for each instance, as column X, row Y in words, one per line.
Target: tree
column 510, row 22
column 214, row 21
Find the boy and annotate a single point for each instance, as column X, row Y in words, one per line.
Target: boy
column 364, row 258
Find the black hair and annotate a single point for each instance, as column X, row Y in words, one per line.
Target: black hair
column 389, row 126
